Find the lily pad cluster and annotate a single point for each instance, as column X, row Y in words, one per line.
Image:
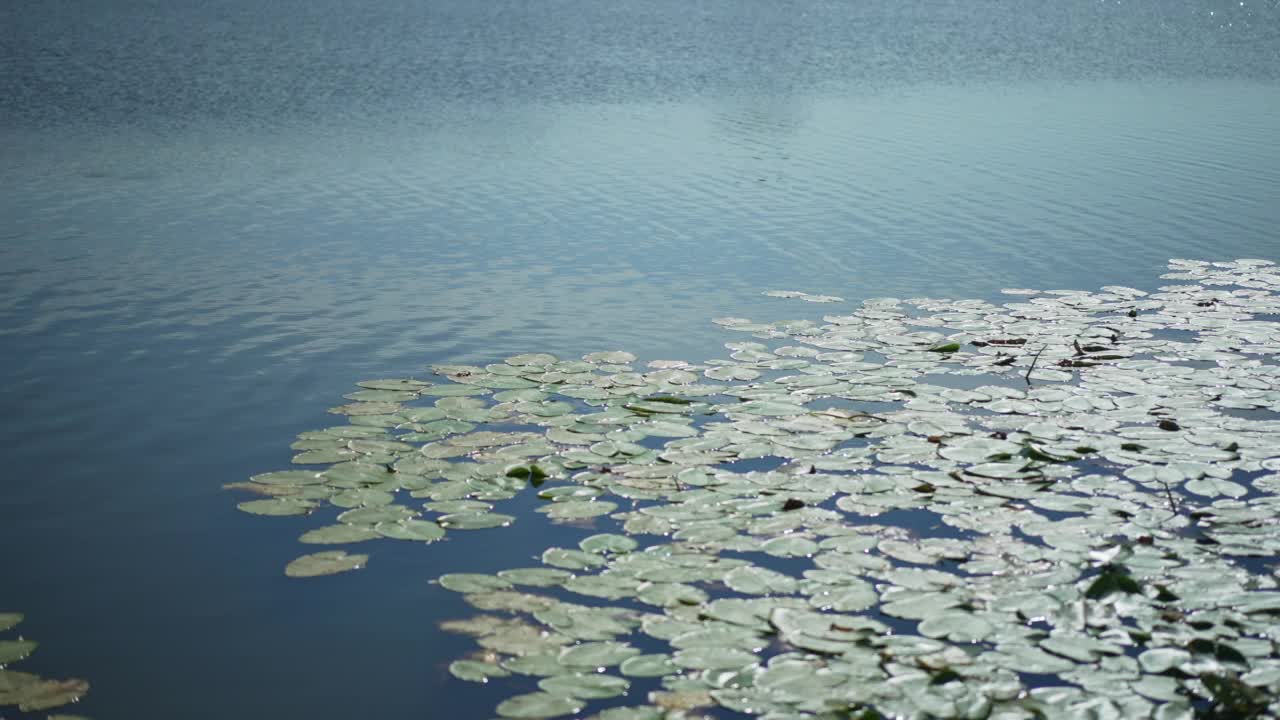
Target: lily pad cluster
column 27, row 691
column 1065, row 505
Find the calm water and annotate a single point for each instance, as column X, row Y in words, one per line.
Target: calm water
column 216, row 216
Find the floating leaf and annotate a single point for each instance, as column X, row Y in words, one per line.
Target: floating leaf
column 14, row 650
column 418, row 530
column 473, row 582
column 596, row 654
column 654, row 665
column 585, row 686
column 608, row 543
column 473, row 671
column 325, row 563
column 475, row 520
column 759, row 581
column 539, row 705
column 337, row 534
column 712, row 658
column 277, row 506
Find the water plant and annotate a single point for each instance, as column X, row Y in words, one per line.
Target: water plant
column 1060, row 506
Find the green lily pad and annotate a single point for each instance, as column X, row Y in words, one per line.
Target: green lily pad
column 325, row 563
column 474, row 671
column 790, row 546
column 607, row 543
column 289, row 478
column 585, row 686
column 535, row 577
column 14, row 650
column 43, row 694
column 337, row 534
column 713, row 658
column 578, row 509
column 539, row 705
column 473, row 582
column 571, row 559
column 653, row 665
column 373, row 516
column 277, row 506
column 596, row 654
column 9, row 620
column 364, row 497
column 753, row 580
column 417, row 530
column 402, row 384
column 475, row 521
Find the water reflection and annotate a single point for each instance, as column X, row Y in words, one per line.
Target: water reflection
column 218, row 215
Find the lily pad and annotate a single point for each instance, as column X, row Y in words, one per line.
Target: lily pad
column 325, row 563
column 596, row 654
column 417, row 530
column 474, row 671
column 475, row 520
column 277, row 506
column 14, row 650
column 585, row 686
column 337, row 534
column 539, row 705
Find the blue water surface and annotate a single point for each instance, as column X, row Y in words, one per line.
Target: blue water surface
column 216, row 216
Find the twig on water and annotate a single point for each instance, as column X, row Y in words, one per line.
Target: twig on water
column 1173, row 505
column 1033, row 364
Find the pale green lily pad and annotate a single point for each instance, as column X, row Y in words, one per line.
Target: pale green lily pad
column 377, row 515
column 395, row 396
column 585, row 686
column 364, row 497
column 571, row 559
column 539, row 705
column 9, row 620
column 961, row 627
column 670, row 594
column 401, row 384
column 277, row 506
column 289, row 478
column 608, row 543
column 475, row 521
column 14, row 650
column 536, row 577
column 475, row 671
column 416, row 530
column 337, row 534
column 768, row 408
column 542, row 664
column 473, row 582
column 653, row 665
column 712, row 658
column 454, row 390
column 596, row 654
column 325, row 563
column 759, row 581
column 578, row 509
column 788, row 546
column 1214, row 487
column 35, row 693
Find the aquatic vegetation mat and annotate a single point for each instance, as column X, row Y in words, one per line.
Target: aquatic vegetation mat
column 1065, row 505
column 27, row 691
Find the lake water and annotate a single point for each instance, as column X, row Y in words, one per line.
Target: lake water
column 217, row 216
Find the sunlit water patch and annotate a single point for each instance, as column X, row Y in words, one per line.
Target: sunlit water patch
column 1058, row 506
